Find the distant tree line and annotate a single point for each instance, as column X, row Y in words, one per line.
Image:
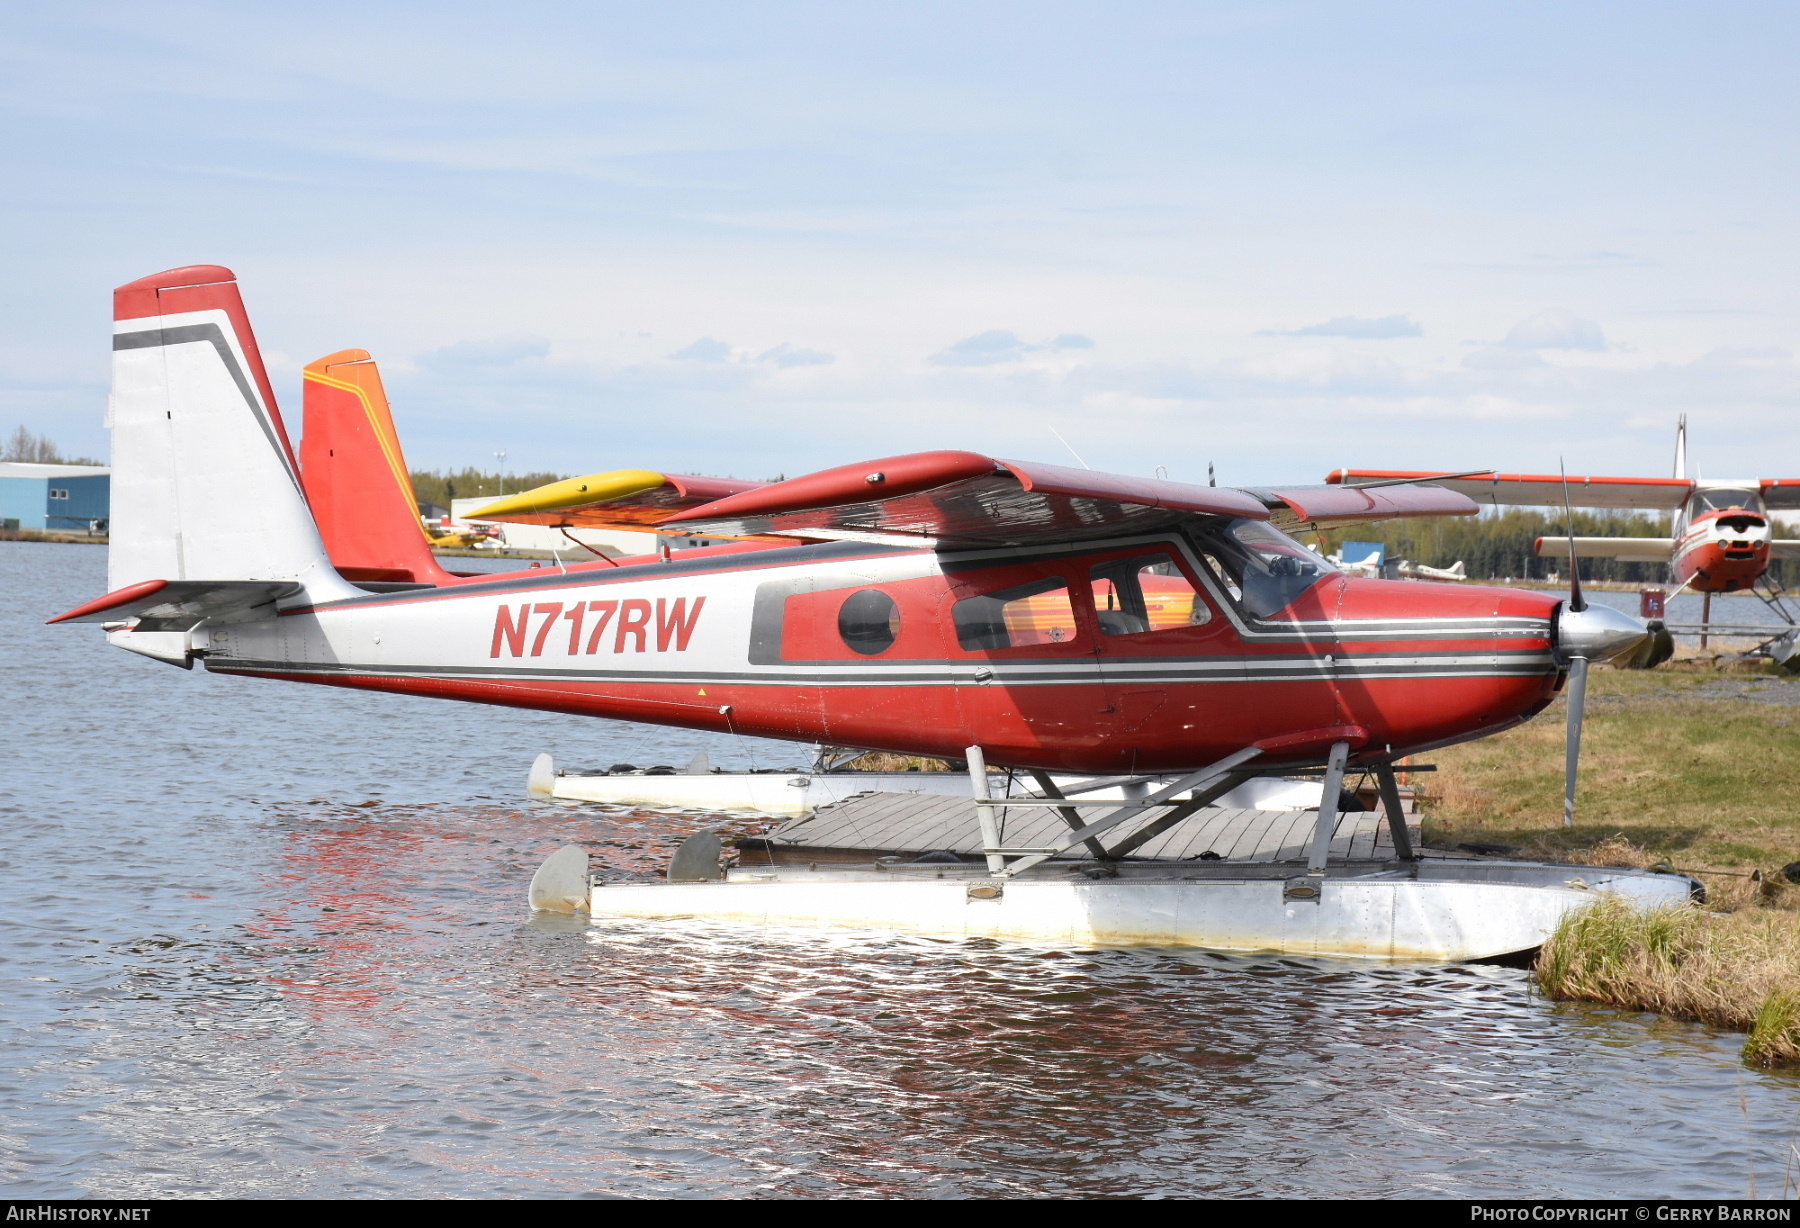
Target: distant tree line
column 1498, row 544
column 23, row 445
column 440, row 487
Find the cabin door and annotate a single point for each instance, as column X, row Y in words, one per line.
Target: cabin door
column 1019, row 644
column 1170, row 664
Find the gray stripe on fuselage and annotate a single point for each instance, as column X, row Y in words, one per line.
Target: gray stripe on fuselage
column 929, row 674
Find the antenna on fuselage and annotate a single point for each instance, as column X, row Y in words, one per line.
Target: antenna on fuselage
column 1071, row 447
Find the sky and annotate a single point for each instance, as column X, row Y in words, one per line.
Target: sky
column 756, row 240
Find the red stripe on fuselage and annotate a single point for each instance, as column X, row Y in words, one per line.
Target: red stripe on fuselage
column 1407, row 715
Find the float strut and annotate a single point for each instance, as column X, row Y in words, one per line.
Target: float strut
column 1047, row 786
column 1396, row 817
column 1328, row 808
column 990, row 826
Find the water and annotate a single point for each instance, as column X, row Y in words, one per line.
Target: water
column 1729, row 609
column 268, row 939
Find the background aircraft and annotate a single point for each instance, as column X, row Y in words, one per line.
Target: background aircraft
column 1721, row 541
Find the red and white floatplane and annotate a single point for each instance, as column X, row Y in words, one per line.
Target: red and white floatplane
column 1083, row 631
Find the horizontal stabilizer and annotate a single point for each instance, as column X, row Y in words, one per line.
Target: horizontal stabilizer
column 1540, row 489
column 1784, row 548
column 1625, row 549
column 964, row 498
column 1330, row 507
column 176, row 605
column 631, row 499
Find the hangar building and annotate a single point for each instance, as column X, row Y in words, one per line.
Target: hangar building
column 57, row 498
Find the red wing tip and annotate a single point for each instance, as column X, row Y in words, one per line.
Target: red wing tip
column 187, row 275
column 123, row 596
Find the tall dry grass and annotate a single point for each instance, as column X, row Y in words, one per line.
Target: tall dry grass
column 1738, row 970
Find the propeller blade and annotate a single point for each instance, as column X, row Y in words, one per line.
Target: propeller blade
column 1578, row 675
column 1577, row 603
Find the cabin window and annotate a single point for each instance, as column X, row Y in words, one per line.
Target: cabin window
column 1147, row 593
column 1041, row 612
column 1262, row 568
column 869, row 622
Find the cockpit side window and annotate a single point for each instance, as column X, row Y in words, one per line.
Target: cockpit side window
column 1262, row 568
column 1145, row 594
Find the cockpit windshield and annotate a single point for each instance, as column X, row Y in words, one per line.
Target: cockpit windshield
column 1720, row 500
column 1262, row 568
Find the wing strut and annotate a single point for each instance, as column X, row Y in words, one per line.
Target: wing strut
column 1208, row 784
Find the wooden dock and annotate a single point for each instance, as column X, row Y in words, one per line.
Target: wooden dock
column 871, row 825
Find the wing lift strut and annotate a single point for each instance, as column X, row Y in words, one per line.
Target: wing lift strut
column 1165, row 809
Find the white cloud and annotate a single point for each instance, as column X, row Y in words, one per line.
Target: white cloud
column 501, row 352
column 1555, row 330
column 1492, row 358
column 999, row 346
column 707, row 349
column 1358, row 328
column 785, row 356
column 982, row 350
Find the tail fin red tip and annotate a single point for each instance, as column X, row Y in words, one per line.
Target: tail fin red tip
column 199, row 288
column 187, row 275
column 356, row 477
column 338, row 359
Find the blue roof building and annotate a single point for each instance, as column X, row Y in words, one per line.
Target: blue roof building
column 57, row 498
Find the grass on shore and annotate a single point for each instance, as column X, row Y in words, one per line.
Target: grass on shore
column 51, row 535
column 1683, row 766
column 1738, row 970
column 1679, row 765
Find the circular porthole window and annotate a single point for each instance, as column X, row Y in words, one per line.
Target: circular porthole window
column 869, row 622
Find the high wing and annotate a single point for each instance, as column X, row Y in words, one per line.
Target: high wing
column 1781, row 492
column 963, row 498
column 1625, row 549
column 632, row 499
column 1296, row 508
column 1546, row 489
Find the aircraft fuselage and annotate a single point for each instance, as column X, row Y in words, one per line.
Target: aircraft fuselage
column 1722, row 543
column 1037, row 654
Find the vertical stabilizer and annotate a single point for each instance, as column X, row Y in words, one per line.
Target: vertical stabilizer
column 1681, row 447
column 204, row 482
column 355, row 475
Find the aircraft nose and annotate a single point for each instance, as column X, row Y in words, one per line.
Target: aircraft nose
column 1598, row 633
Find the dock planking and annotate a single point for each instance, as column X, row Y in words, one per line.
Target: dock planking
column 900, row 823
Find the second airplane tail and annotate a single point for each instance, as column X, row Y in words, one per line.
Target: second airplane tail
column 356, row 478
